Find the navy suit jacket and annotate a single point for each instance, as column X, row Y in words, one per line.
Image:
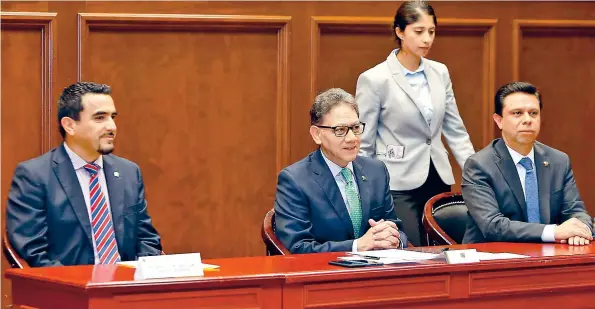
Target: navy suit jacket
column 494, row 196
column 310, row 213
column 47, row 220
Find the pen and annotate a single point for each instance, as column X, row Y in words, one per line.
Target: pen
column 367, row 257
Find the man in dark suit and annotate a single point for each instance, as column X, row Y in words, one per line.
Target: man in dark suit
column 79, row 204
column 518, row 189
column 335, row 200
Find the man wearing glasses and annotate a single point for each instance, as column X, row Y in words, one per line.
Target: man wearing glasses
column 333, row 199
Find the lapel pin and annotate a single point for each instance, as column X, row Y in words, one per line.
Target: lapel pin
column 116, row 174
column 363, row 178
column 546, row 163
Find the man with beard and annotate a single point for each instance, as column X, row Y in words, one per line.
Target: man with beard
column 79, row 204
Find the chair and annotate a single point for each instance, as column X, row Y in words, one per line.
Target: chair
column 445, row 219
column 272, row 243
column 11, row 255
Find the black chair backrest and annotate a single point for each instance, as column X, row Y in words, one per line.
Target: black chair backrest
column 451, row 215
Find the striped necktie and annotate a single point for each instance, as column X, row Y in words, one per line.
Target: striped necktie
column 101, row 220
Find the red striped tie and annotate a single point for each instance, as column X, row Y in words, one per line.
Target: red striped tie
column 101, row 225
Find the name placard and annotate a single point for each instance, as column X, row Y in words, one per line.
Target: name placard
column 169, row 266
column 461, row 256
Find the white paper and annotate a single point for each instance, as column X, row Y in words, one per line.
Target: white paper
column 461, row 256
column 393, row 256
column 169, row 266
column 134, row 264
column 487, row 256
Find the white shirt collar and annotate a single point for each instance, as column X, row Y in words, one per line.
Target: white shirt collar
column 77, row 161
column 336, row 169
column 407, row 71
column 516, row 157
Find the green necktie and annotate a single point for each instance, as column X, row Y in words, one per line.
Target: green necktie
column 355, row 209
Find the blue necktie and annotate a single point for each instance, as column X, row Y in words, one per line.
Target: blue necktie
column 531, row 191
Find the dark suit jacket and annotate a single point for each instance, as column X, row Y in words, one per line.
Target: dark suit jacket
column 47, row 220
column 310, row 213
column 493, row 193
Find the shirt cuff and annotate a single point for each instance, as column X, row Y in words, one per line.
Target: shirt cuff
column 354, row 246
column 548, row 234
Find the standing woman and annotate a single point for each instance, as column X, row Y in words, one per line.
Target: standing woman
column 407, row 104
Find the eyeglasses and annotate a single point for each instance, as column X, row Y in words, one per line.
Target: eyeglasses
column 341, row 131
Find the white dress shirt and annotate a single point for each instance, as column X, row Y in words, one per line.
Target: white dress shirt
column 548, row 232
column 419, row 83
column 341, row 183
column 83, row 177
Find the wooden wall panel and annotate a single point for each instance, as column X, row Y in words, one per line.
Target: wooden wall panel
column 566, row 50
column 343, row 47
column 472, row 76
column 26, row 83
column 209, row 155
column 214, row 96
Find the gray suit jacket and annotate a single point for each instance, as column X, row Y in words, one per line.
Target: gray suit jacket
column 310, row 213
column 47, row 219
column 493, row 193
column 388, row 106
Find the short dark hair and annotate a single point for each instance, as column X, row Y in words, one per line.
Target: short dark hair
column 410, row 12
column 325, row 101
column 511, row 88
column 70, row 103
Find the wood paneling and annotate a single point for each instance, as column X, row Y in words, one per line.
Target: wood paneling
column 191, row 88
column 343, row 47
column 472, row 76
column 558, row 56
column 26, row 82
column 213, row 96
column 308, row 281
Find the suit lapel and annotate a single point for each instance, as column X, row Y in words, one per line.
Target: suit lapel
column 397, row 73
column 543, row 175
column 326, row 180
column 434, row 85
column 509, row 171
column 115, row 190
column 66, row 174
column 364, row 193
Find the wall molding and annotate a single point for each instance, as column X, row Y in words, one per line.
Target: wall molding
column 168, row 22
column 46, row 23
column 540, row 25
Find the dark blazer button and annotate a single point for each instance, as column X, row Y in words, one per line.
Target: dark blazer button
column 428, row 141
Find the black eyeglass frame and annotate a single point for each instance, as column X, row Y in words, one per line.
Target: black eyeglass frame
column 348, row 128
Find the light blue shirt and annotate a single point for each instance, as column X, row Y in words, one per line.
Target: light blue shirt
column 548, row 234
column 84, row 177
column 341, row 183
column 419, row 83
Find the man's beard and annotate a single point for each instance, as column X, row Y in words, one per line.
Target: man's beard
column 105, row 150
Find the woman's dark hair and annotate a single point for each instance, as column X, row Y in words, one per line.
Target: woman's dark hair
column 410, row 12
